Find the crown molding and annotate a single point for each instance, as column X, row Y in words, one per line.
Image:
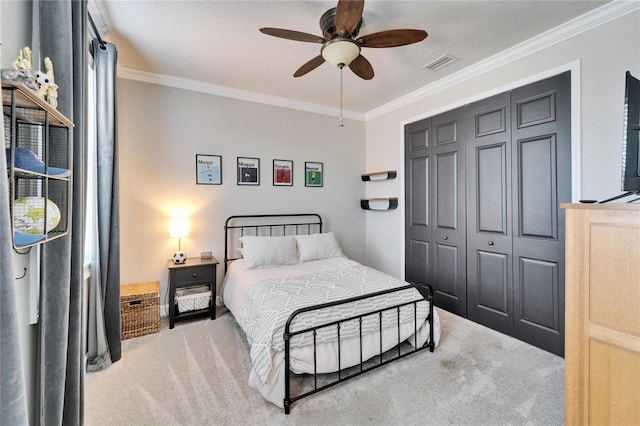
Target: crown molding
column 572, row 28
column 229, row 92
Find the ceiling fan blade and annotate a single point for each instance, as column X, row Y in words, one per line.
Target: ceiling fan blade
column 392, row 38
column 348, row 15
column 309, row 66
column 362, row 67
column 292, row 35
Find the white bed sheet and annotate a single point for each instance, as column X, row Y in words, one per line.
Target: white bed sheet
column 238, row 280
column 233, row 292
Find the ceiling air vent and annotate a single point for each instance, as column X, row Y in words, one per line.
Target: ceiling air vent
column 440, row 62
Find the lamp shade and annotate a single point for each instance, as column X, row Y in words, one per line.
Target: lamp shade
column 340, row 52
column 179, row 227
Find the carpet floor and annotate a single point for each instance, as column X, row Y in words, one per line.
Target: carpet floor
column 197, row 373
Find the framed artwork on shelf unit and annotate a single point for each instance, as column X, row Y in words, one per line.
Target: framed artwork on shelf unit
column 208, row 169
column 248, row 171
column 313, row 174
column 282, row 173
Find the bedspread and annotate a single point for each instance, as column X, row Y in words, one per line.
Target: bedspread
column 269, row 303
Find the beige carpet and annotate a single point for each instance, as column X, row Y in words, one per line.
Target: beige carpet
column 196, row 374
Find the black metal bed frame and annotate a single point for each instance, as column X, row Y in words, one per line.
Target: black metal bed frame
column 426, row 293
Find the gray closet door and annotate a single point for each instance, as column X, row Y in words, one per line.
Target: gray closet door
column 417, row 211
column 448, row 233
column 435, row 221
column 541, row 181
column 489, row 237
column 502, row 265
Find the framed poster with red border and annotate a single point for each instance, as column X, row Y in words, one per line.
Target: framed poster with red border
column 282, row 173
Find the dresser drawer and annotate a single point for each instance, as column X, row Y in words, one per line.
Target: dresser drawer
column 194, row 274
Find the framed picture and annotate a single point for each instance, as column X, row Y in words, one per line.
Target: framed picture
column 208, row 169
column 248, row 171
column 313, row 175
column 282, row 173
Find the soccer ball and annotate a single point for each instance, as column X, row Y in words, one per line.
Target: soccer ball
column 179, row 257
column 28, row 215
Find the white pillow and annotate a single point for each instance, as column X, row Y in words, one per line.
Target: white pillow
column 268, row 251
column 318, row 246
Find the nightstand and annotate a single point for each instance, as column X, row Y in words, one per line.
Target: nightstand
column 194, row 272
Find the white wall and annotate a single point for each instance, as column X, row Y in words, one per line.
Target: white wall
column 15, row 33
column 601, row 56
column 161, row 129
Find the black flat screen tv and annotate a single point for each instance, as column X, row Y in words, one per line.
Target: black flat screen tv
column 631, row 136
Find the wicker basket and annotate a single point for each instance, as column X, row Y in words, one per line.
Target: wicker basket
column 139, row 309
column 193, row 298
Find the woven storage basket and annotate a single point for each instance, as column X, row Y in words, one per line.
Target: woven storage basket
column 193, row 298
column 139, row 309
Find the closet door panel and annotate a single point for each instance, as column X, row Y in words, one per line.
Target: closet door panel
column 493, row 283
column 448, row 212
column 419, row 171
column 446, row 271
column 446, row 193
column 539, row 290
column 541, row 181
column 419, row 256
column 489, row 238
column 417, row 207
column 538, row 184
column 446, row 255
column 491, row 188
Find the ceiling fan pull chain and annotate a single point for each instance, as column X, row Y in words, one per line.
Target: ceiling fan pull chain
column 341, row 120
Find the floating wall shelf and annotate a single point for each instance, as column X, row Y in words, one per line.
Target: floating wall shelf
column 375, row 203
column 384, row 203
column 385, row 175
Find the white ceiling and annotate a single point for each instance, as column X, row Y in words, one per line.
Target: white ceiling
column 218, row 42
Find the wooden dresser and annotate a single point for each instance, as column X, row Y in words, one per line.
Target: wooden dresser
column 602, row 332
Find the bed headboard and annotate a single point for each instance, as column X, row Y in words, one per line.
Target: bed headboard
column 271, row 225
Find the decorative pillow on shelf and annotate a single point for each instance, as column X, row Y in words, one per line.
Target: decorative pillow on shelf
column 259, row 252
column 318, row 246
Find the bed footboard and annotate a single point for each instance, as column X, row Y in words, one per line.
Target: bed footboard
column 427, row 294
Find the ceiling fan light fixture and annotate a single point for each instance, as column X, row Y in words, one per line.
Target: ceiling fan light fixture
column 340, row 52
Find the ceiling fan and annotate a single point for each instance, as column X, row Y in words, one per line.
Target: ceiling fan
column 340, row 42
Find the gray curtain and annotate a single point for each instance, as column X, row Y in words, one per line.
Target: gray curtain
column 13, row 396
column 104, row 298
column 60, row 394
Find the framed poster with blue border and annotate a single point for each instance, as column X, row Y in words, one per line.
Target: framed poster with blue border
column 208, row 169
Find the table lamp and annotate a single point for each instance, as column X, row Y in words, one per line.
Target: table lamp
column 179, row 227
